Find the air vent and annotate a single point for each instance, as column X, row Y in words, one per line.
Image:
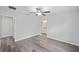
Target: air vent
column 11, row 7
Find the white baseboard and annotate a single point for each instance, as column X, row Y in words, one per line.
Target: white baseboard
column 62, row 40
column 26, row 37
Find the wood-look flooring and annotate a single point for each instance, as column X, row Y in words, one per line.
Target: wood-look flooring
column 7, row 44
column 42, row 44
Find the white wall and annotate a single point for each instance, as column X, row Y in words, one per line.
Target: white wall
column 64, row 26
column 25, row 26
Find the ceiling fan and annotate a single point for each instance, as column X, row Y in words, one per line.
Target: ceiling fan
column 40, row 12
column 37, row 12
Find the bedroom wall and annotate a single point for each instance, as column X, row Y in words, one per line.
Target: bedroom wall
column 25, row 26
column 64, row 26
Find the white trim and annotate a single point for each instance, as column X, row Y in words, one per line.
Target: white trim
column 62, row 40
column 26, row 37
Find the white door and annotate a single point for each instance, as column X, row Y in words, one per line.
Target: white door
column 7, row 26
column 0, row 25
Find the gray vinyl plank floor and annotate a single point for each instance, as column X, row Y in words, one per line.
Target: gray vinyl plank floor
column 42, row 44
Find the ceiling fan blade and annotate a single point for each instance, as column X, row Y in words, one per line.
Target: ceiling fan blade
column 36, row 14
column 46, row 12
column 43, row 14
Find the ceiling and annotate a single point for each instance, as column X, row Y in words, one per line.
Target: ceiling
column 53, row 9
